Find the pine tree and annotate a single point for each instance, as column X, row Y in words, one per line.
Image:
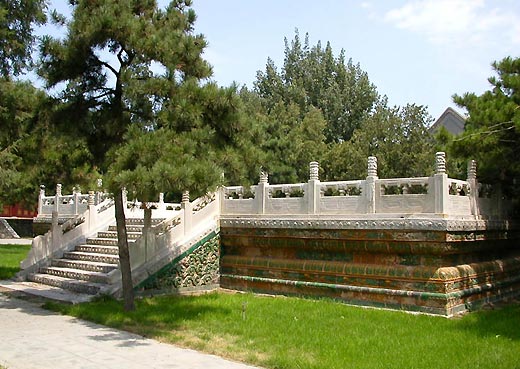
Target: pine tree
column 492, row 130
column 314, row 77
column 18, row 100
column 133, row 75
column 17, row 19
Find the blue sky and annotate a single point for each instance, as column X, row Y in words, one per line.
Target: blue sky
column 419, row 52
column 414, row 51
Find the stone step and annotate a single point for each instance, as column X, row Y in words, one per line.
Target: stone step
column 80, row 286
column 98, row 249
column 90, row 256
column 113, row 234
column 140, row 221
column 84, row 265
column 129, row 228
column 83, row 275
column 103, row 241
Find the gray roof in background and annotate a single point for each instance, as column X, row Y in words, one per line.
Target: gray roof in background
column 451, row 120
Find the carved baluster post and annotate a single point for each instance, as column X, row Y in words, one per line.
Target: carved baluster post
column 187, row 206
column 55, row 228
column 41, row 197
column 76, row 192
column 473, row 188
column 161, row 206
column 371, row 184
column 91, row 198
column 99, row 191
column 441, row 191
column 57, row 201
column 262, row 192
column 313, row 193
column 92, row 213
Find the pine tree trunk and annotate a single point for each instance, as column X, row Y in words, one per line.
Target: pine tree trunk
column 124, row 254
column 146, row 229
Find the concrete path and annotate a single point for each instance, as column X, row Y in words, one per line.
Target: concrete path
column 34, row 338
column 16, row 241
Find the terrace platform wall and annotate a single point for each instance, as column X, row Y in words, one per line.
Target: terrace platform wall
column 445, row 267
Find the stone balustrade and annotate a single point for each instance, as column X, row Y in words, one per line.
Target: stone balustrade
column 66, row 207
column 434, row 196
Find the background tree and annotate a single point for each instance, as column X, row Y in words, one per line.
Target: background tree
column 17, row 20
column 18, row 100
column 320, row 107
column 17, row 112
column 492, row 131
column 131, row 69
column 397, row 136
column 314, row 77
column 285, row 140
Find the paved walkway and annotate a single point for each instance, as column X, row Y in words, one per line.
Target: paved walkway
column 15, row 241
column 34, row 338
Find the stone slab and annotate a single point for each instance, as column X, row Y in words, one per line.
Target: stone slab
column 15, row 241
column 44, row 292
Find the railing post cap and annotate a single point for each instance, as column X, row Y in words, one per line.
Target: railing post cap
column 372, row 166
column 264, row 176
column 440, row 162
column 314, row 168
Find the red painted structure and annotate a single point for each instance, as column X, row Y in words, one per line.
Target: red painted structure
column 17, row 211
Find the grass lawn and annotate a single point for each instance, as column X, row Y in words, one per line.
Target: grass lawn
column 298, row 333
column 10, row 258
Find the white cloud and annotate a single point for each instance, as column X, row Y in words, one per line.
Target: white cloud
column 459, row 22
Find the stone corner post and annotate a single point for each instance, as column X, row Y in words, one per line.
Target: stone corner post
column 41, row 196
column 99, row 191
column 473, row 188
column 161, row 206
column 371, row 184
column 262, row 192
column 57, row 199
column 441, row 192
column 92, row 213
column 313, row 188
column 124, row 198
column 76, row 192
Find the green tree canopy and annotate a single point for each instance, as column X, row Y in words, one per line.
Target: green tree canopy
column 17, row 19
column 314, row 77
column 135, row 90
column 398, row 137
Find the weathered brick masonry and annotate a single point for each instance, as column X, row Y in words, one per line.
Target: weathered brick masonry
column 440, row 272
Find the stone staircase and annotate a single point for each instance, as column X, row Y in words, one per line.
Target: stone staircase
column 88, row 268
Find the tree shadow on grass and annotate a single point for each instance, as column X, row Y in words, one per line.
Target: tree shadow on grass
column 151, row 316
column 501, row 321
column 7, row 272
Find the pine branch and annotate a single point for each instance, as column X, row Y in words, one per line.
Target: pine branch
column 111, row 68
column 108, row 92
column 489, row 132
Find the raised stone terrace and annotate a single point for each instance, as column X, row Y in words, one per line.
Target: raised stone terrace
column 432, row 244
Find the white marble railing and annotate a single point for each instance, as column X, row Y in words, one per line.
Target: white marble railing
column 66, row 206
column 69, row 206
column 64, row 237
column 180, row 224
column 437, row 196
column 174, row 235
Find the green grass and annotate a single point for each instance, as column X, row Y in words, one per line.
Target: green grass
column 299, row 333
column 10, row 258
